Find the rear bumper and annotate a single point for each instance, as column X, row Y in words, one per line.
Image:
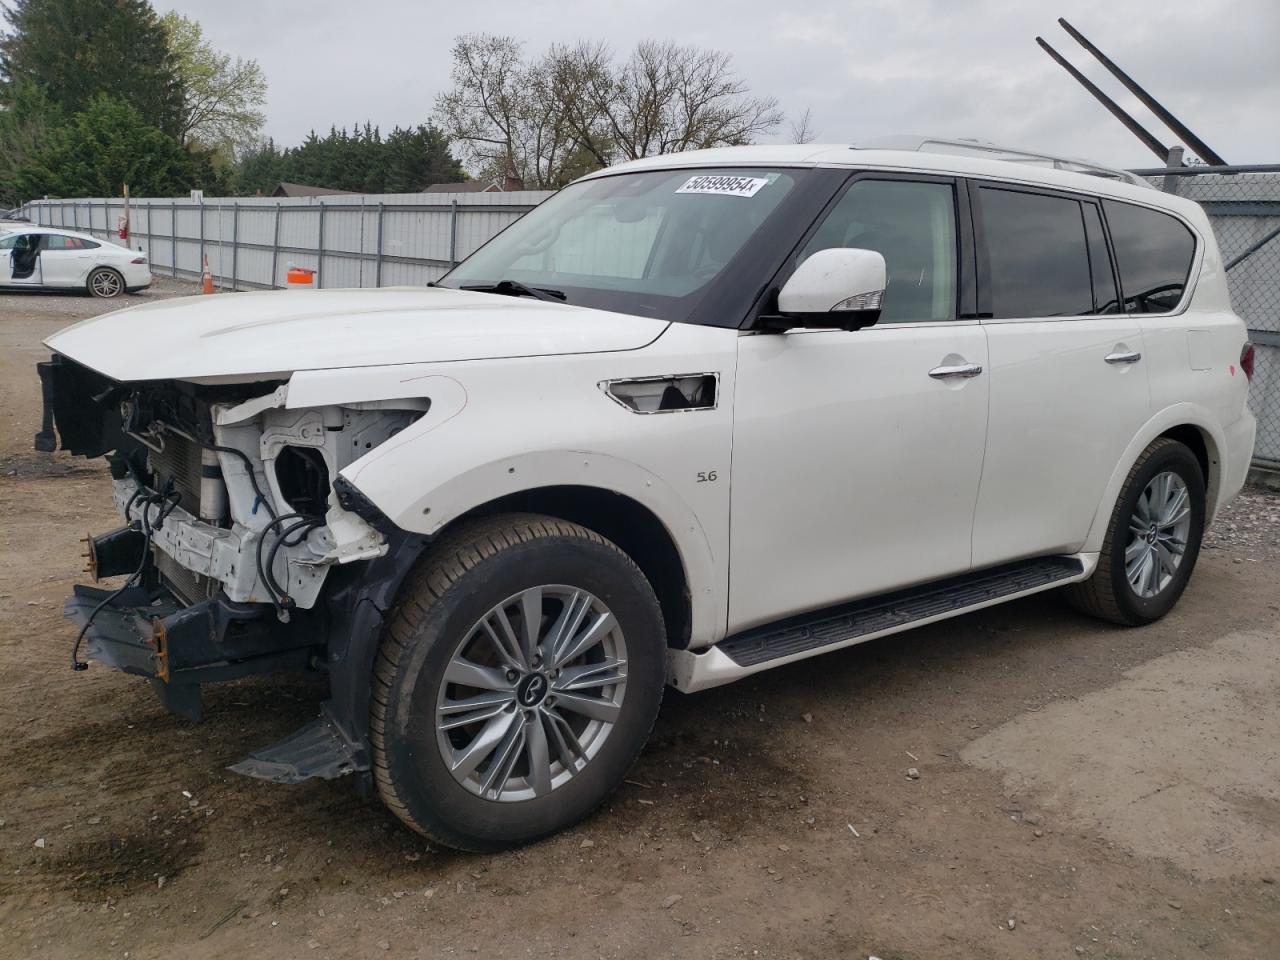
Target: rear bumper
column 1236, row 457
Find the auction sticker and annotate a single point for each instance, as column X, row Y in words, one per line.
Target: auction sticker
column 727, row 186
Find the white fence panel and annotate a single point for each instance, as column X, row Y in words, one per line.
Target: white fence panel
column 250, row 242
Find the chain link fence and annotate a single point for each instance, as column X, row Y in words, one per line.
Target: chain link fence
column 1243, row 204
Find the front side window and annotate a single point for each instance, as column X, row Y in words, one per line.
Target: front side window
column 1153, row 254
column 648, row 243
column 1038, row 255
column 913, row 225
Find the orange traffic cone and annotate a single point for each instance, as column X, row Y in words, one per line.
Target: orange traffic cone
column 206, row 282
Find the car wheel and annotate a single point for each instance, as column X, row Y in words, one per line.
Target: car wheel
column 1153, row 539
column 519, row 677
column 106, row 283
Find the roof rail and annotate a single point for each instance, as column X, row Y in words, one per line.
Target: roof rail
column 994, row 151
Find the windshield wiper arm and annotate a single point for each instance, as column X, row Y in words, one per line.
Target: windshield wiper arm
column 514, row 288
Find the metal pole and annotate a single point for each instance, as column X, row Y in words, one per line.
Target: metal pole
column 320, row 251
column 1169, row 120
column 173, row 237
column 377, row 268
column 453, row 232
column 275, row 246
column 360, row 245
column 235, row 243
column 1175, row 160
column 200, row 265
column 1253, row 248
column 1117, row 111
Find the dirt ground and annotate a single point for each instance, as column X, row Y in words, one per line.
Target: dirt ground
column 1082, row 790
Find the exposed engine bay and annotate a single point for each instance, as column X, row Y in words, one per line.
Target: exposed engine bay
column 237, row 535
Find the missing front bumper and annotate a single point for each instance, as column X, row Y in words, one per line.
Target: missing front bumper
column 148, row 632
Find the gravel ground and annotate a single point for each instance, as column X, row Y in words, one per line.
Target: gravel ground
column 1248, row 529
column 1078, row 790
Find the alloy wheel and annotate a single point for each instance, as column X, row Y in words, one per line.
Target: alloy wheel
column 531, row 693
column 105, row 283
column 1158, row 531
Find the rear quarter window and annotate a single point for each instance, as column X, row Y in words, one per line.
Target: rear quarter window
column 1153, row 254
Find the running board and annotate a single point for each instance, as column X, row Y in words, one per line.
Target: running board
column 809, row 634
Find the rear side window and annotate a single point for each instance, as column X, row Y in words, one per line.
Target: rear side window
column 1038, row 255
column 1106, row 299
column 1153, row 254
column 56, row 241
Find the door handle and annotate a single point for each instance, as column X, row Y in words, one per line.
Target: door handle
column 1123, row 356
column 954, row 371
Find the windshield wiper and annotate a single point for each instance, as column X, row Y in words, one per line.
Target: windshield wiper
column 514, row 288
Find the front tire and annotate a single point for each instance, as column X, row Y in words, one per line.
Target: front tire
column 1152, row 541
column 105, row 283
column 519, row 677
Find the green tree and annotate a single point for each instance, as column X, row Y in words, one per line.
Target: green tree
column 361, row 160
column 77, row 50
column 259, row 169
column 222, row 98
column 105, row 146
column 25, row 125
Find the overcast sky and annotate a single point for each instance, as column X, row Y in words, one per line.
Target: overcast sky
column 866, row 68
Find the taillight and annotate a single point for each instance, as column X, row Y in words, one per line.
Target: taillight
column 138, row 260
column 1246, row 360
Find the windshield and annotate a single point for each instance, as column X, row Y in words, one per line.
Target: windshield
column 647, row 243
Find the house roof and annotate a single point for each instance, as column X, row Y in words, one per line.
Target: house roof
column 466, row 186
column 306, row 190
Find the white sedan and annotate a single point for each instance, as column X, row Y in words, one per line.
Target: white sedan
column 47, row 258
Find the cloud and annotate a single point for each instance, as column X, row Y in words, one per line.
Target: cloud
column 864, row 68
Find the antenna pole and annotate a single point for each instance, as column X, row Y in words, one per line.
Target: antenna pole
column 1169, row 120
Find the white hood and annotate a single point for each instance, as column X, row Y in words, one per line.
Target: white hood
column 279, row 332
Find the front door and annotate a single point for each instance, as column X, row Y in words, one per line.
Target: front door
column 1068, row 381
column 857, row 455
column 20, row 254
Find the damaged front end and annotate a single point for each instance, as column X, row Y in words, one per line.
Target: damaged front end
column 244, row 551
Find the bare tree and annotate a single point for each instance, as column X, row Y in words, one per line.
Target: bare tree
column 501, row 112
column 578, row 108
column 802, row 130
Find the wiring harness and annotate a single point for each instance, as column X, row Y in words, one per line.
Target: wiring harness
column 167, row 501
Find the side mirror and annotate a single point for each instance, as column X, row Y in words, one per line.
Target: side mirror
column 840, row 287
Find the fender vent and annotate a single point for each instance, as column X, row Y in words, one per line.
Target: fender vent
column 683, row 391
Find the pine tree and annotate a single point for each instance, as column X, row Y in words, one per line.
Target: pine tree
column 75, row 50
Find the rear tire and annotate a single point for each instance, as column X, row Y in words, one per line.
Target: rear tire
column 105, row 283
column 555, row 714
column 1152, row 542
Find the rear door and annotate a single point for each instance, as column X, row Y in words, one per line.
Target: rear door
column 1068, row 380
column 66, row 260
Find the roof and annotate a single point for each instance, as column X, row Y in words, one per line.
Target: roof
column 1024, row 171
column 7, row 228
column 287, row 189
column 466, row 186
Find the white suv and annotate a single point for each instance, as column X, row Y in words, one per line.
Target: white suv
column 693, row 417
